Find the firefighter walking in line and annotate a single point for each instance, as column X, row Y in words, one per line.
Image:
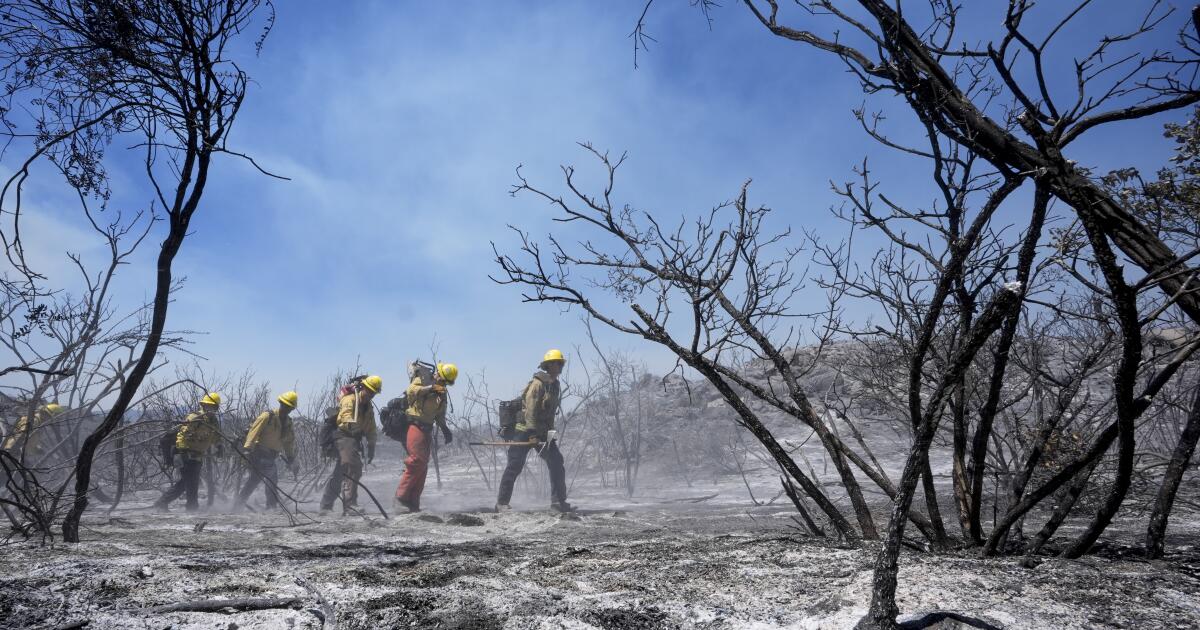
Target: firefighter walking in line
column 25, row 443
column 199, row 432
column 270, row 436
column 541, row 400
column 426, row 407
column 355, row 421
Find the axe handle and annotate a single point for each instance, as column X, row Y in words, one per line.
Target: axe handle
column 503, row 443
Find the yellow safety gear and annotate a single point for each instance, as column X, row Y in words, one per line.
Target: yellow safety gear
column 426, row 403
column 289, row 398
column 22, row 433
column 448, row 372
column 26, row 437
column 200, row 430
column 542, row 397
column 211, row 398
column 273, row 432
column 54, row 408
column 362, row 424
column 553, row 354
column 373, row 383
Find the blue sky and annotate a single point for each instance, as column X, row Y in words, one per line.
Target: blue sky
column 400, row 125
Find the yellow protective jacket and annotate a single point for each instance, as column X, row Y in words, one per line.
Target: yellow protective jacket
column 273, row 432
column 199, row 431
column 361, row 425
column 541, row 403
column 25, row 437
column 425, row 406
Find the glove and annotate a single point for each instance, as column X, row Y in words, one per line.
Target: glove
column 446, row 434
column 535, row 440
column 370, row 453
column 438, row 387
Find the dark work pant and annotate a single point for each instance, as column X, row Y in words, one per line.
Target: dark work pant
column 345, row 474
column 333, row 487
column 189, row 483
column 516, row 463
column 263, row 468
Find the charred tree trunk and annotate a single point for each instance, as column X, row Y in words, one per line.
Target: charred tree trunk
column 751, row 422
column 167, row 84
column 120, row 491
column 883, row 611
column 919, row 413
column 197, row 162
column 1067, row 498
column 833, row 446
column 977, row 467
column 1180, row 458
column 1125, row 301
column 961, row 473
column 1088, row 459
column 1082, row 464
column 991, row 405
column 958, row 410
column 798, row 501
column 931, row 505
column 1048, row 425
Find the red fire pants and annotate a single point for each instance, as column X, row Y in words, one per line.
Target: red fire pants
column 412, row 482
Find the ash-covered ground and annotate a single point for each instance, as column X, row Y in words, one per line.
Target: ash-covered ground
column 672, row 557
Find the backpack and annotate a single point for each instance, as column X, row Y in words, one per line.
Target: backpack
column 166, row 446
column 327, row 439
column 511, row 412
column 510, row 415
column 394, row 418
column 354, row 385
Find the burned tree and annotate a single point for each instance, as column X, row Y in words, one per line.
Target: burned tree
column 1168, row 204
column 160, row 74
column 999, row 99
column 85, row 348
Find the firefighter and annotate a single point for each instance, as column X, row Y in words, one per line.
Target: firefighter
column 25, row 443
column 200, row 431
column 541, row 400
column 355, row 421
column 270, row 436
column 426, row 407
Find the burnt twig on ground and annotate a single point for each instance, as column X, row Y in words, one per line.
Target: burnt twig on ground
column 217, row 605
column 328, row 614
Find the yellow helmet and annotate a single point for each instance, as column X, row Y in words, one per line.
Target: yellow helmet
column 448, row 372
column 54, row 408
column 289, row 398
column 553, row 354
column 211, row 398
column 373, row 383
